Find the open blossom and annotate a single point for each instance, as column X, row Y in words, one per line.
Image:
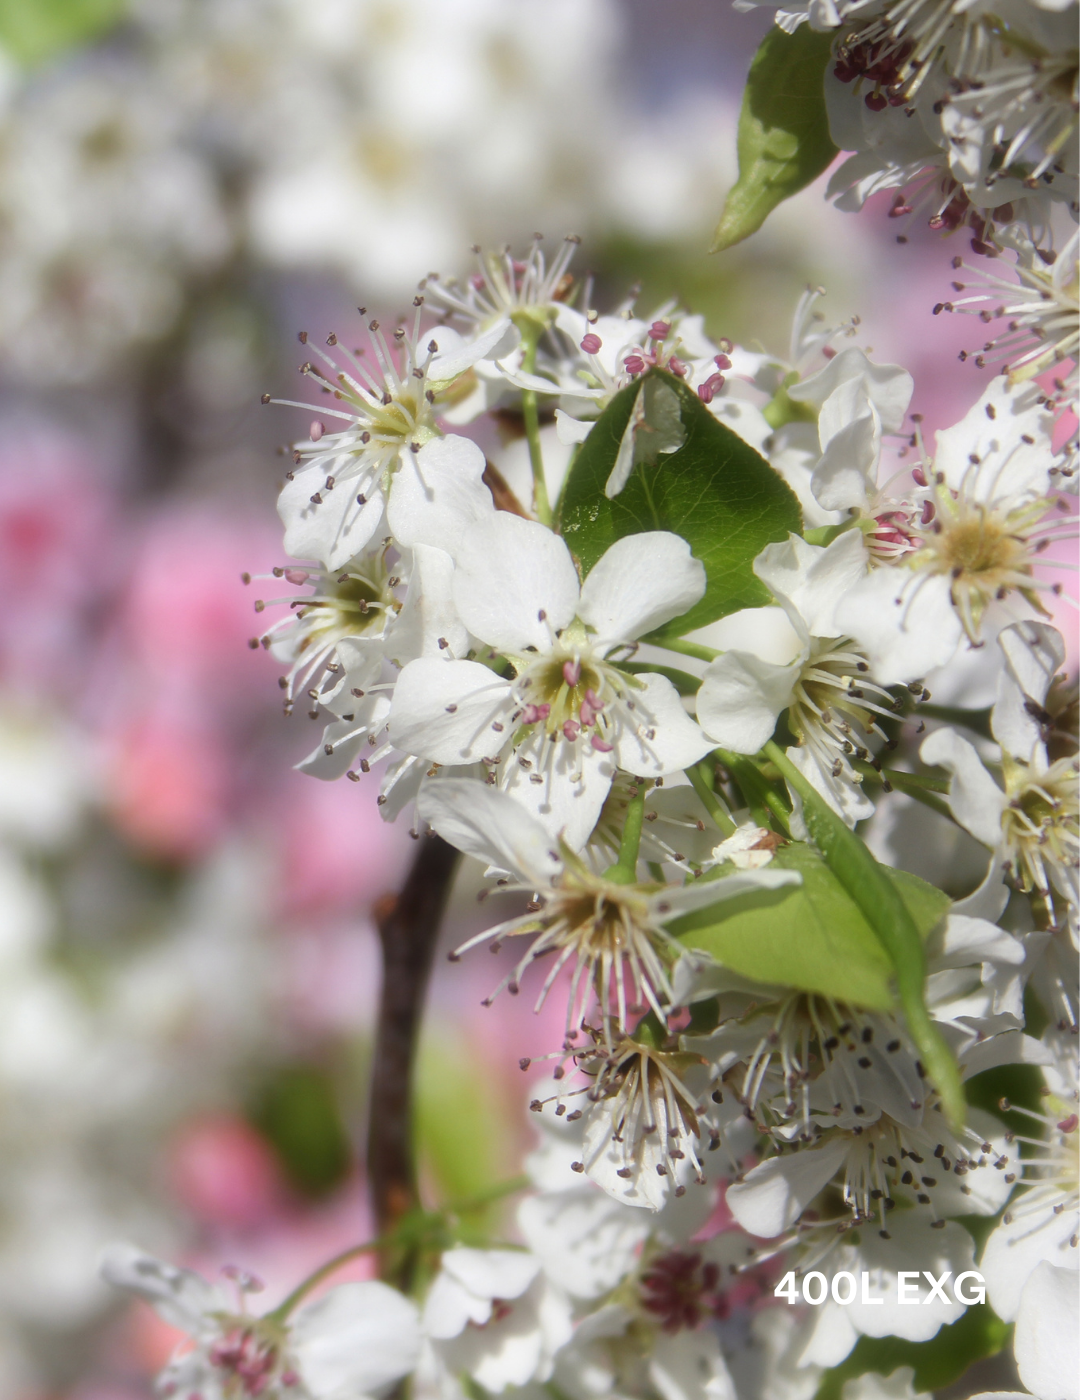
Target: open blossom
column 356, row 1340
column 1032, row 823
column 832, row 703
column 1042, row 1222
column 553, row 731
column 341, row 483
column 608, row 935
column 987, row 522
column 492, row 1314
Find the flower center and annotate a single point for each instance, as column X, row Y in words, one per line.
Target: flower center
column 1041, row 824
column 572, row 693
column 351, row 604
column 248, row 1360
column 679, row 1291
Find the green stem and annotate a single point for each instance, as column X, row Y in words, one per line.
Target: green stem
column 530, row 336
column 765, row 803
column 489, row 1194
column 916, row 785
column 715, row 808
column 300, row 1292
column 683, row 681
column 680, row 644
column 978, row 721
column 880, row 903
column 624, row 871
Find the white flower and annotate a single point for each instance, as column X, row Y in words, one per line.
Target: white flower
column 1039, row 308
column 553, row 733
column 1045, row 1344
column 610, row 936
column 986, row 520
column 1032, row 824
column 1042, row 1222
column 356, row 1340
column 857, row 401
column 832, row 705
column 492, row 1314
column 341, row 483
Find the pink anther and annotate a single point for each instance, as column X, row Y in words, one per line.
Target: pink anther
column 660, row 330
column 601, row 745
column 297, row 576
column 571, row 729
column 571, row 672
column 533, row 714
column 721, row 362
column 634, row 364
column 712, row 386
column 591, row 343
column 1069, row 1125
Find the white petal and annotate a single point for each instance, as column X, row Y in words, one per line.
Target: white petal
column 571, row 430
column 641, row 582
column 438, row 492
column 574, row 783
column 1013, row 1252
column 587, row 1242
column 491, row 1273
column 181, row 1298
column 975, row 799
column 1046, row 1343
column 676, row 740
column 809, row 581
column 889, row 387
column 454, row 355
column 1034, row 653
column 443, row 710
column 488, row 824
column 689, row 1366
column 848, row 800
column 332, row 530
column 450, row 1307
column 740, row 699
column 905, row 622
column 428, row 624
column 345, row 738
column 772, row 1195
column 1007, row 465
column 845, row 474
column 356, row 1339
column 509, row 572
column 764, row 632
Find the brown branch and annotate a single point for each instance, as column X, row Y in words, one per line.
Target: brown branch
column 408, row 925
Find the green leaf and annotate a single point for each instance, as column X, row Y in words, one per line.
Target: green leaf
column 298, row 1113
column 810, row 936
column 715, row 491
column 784, row 140
column 34, row 30
column 871, row 888
column 937, row 1363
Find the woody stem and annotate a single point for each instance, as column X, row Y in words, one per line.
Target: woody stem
column 408, row 925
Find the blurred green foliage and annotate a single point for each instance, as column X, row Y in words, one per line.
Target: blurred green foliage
column 32, row 31
column 298, row 1113
column 460, row 1123
column 938, row 1362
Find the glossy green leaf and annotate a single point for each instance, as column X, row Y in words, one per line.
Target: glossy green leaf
column 715, row 491
column 32, row 31
column 810, row 936
column 873, row 889
column 937, row 1363
column 783, row 140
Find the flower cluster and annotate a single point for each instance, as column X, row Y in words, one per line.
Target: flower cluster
column 968, row 114
column 658, row 746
